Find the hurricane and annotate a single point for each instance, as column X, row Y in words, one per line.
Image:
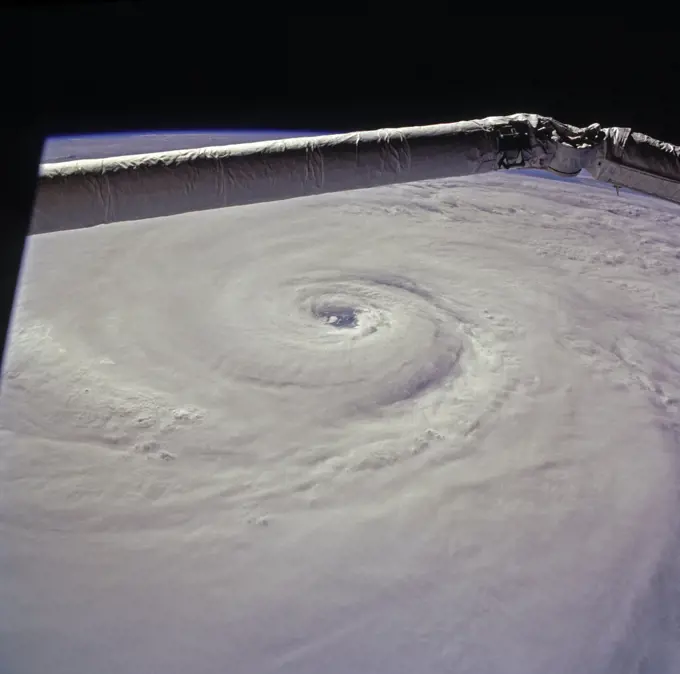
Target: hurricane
column 429, row 427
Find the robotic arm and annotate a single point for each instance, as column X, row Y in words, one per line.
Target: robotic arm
column 85, row 193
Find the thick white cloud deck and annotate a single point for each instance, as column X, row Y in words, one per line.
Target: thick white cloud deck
column 429, row 428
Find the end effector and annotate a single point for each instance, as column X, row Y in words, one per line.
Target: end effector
column 614, row 155
column 637, row 161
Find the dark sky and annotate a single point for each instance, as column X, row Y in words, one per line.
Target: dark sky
column 148, row 66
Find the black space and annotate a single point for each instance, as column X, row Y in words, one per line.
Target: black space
column 74, row 68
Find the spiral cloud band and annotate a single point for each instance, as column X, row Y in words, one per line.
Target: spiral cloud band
column 429, row 427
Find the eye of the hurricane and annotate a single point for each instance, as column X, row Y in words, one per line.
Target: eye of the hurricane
column 338, row 317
